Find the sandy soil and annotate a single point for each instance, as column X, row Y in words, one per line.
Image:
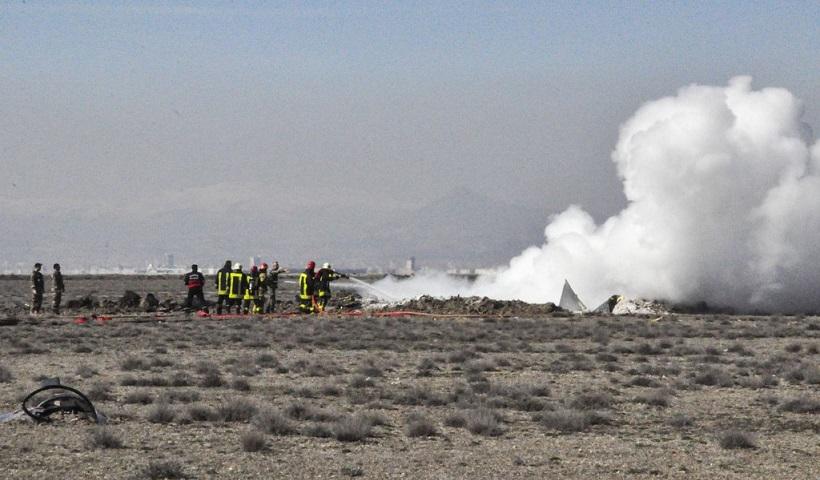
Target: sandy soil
column 334, row 397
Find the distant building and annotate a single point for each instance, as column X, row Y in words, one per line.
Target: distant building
column 169, row 260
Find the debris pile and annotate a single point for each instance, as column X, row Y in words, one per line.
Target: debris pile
column 474, row 306
column 87, row 302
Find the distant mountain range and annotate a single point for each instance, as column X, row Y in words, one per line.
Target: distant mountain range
column 463, row 228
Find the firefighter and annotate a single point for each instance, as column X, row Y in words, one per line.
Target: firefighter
column 307, row 280
column 37, row 289
column 236, row 286
column 272, row 281
column 57, row 289
column 222, row 278
column 250, row 289
column 324, row 276
column 195, row 281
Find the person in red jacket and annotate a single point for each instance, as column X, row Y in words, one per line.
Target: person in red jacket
column 195, row 281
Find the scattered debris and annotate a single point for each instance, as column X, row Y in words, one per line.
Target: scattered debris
column 569, row 299
column 474, row 305
column 129, row 299
column 63, row 399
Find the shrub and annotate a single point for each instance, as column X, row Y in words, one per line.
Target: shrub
column 163, row 471
column 85, row 371
column 656, row 398
column 99, row 392
column 205, row 368
column 737, row 439
column 161, row 413
column 680, row 420
column 179, row 396
column 266, row 360
column 793, row 347
column 484, row 421
column 102, row 437
column 352, row 428
column 643, row 382
column 181, row 379
column 360, row 381
column 591, row 401
column 5, row 375
column 714, row 377
column 240, row 384
column 456, row 419
column 133, row 363
column 212, row 380
column 273, row 422
column 801, row 405
column 236, row 410
column 420, row 426
column 253, row 441
column 142, row 398
column 201, row 413
column 319, row 430
column 569, row 420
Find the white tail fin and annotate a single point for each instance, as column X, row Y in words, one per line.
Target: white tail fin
column 570, row 301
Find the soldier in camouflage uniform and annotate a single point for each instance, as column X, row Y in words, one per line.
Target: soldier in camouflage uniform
column 57, row 289
column 37, row 289
column 272, row 281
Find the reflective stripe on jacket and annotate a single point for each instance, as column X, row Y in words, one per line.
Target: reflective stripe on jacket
column 235, row 285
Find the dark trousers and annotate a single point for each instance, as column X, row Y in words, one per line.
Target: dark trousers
column 36, row 302
column 237, row 302
column 195, row 292
column 322, row 302
column 270, row 306
column 56, row 301
column 222, row 300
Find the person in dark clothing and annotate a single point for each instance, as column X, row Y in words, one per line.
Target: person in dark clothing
column 324, row 276
column 222, row 284
column 37, row 289
column 195, row 281
column 57, row 289
column 307, row 280
column 272, row 281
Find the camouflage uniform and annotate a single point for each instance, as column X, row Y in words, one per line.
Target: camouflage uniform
column 37, row 289
column 272, row 282
column 57, row 289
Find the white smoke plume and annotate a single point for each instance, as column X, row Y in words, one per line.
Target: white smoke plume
column 723, row 191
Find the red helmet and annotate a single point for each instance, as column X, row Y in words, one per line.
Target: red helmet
column 264, row 266
column 253, row 268
column 311, row 265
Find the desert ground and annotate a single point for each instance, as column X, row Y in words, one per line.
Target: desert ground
column 518, row 395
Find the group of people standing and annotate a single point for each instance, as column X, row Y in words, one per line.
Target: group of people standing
column 252, row 292
column 38, row 288
column 255, row 291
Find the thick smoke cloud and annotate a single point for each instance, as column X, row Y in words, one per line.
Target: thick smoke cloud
column 723, row 191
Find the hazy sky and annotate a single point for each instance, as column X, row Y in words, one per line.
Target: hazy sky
column 112, row 107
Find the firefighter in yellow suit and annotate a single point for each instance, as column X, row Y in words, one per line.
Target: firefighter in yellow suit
column 251, row 291
column 307, row 280
column 236, row 288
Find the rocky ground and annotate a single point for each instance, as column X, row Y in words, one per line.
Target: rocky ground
column 527, row 396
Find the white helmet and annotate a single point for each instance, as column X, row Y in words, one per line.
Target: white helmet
column 237, row 266
column 326, row 265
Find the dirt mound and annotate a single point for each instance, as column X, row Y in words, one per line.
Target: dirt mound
column 129, row 299
column 85, row 302
column 150, row 303
column 475, row 306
